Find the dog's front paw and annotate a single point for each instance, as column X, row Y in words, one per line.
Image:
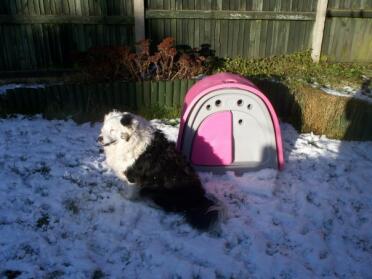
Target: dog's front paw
column 130, row 192
column 129, row 176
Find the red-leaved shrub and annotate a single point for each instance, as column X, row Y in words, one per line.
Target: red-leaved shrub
column 120, row 63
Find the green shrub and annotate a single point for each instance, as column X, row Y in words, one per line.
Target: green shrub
column 160, row 112
column 298, row 68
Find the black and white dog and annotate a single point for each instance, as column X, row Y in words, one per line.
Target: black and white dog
column 153, row 169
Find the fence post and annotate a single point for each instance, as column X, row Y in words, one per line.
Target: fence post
column 318, row 29
column 139, row 20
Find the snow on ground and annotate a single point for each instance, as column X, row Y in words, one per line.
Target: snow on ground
column 364, row 93
column 62, row 214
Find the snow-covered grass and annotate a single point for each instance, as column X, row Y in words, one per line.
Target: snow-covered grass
column 364, row 93
column 62, row 214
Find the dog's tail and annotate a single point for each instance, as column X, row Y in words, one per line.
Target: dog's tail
column 205, row 215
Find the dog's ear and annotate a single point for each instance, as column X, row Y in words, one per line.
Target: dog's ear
column 126, row 120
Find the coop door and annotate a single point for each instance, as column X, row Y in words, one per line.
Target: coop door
column 213, row 142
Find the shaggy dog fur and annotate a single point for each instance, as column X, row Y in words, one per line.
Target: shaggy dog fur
column 153, row 168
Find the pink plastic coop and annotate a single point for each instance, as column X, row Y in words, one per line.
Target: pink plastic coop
column 228, row 124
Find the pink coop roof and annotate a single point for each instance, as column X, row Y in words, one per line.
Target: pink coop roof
column 221, row 81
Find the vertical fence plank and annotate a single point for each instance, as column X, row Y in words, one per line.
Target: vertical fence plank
column 4, row 55
column 139, row 94
column 139, row 20
column 250, row 41
column 241, row 38
column 15, row 100
column 40, row 99
column 2, row 51
column 31, row 46
column 46, row 42
column 196, row 33
column 154, row 93
column 70, row 96
column 128, row 97
column 9, row 106
column 161, row 93
column 183, row 91
column 27, row 101
column 46, row 6
column 190, row 82
column 168, row 94
column 110, row 95
column 24, row 54
column 48, row 98
column 12, row 7
column 56, row 100
column 20, row 100
column 42, row 7
column 118, row 100
column 261, row 36
column 232, row 38
column 246, row 40
column 105, row 93
column 133, row 95
column 80, row 97
column 223, row 38
column 147, row 93
column 29, row 53
column 176, row 93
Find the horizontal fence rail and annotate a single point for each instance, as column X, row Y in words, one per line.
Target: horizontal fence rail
column 349, row 13
column 67, row 7
column 65, row 19
column 238, row 15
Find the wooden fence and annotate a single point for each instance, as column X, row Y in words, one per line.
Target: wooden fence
column 42, row 34
column 234, row 28
column 348, row 31
column 94, row 98
column 37, row 34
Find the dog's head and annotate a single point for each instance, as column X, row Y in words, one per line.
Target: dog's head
column 120, row 127
column 117, row 126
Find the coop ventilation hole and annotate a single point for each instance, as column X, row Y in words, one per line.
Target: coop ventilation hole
column 240, row 102
column 218, row 103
